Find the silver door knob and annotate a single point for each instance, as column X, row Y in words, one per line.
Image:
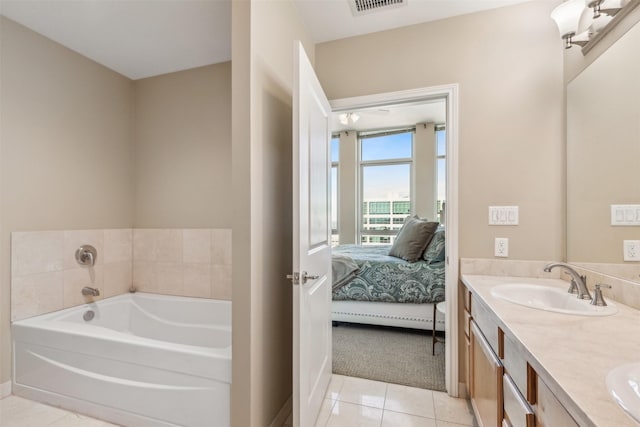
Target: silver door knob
column 298, row 278
column 306, row 276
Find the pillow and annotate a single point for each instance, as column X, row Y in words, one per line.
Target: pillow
column 413, row 238
column 435, row 250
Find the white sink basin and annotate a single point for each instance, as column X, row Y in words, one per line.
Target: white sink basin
column 550, row 299
column 623, row 383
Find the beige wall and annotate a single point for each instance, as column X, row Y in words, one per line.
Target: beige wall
column 183, row 149
column 509, row 65
column 66, row 146
column 262, row 57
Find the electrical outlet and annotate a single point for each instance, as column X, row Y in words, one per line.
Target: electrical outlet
column 631, row 250
column 502, row 247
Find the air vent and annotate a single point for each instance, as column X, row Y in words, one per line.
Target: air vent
column 362, row 7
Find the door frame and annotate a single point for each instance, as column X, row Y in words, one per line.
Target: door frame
column 449, row 92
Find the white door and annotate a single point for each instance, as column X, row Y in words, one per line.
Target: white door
column 311, row 243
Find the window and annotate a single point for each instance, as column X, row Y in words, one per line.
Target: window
column 335, row 157
column 385, row 184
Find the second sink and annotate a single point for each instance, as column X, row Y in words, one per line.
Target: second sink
column 549, row 299
column 623, row 383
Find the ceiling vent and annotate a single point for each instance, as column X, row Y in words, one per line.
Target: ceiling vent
column 362, row 7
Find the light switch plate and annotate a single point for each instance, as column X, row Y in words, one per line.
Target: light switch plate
column 625, row 215
column 631, row 250
column 503, row 215
column 501, row 247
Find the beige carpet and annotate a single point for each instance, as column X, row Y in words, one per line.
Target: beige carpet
column 393, row 355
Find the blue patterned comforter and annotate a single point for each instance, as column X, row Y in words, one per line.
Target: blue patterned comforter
column 389, row 279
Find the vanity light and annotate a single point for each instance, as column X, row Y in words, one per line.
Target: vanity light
column 568, row 16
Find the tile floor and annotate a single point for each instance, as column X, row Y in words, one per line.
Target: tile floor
column 18, row 412
column 351, row 402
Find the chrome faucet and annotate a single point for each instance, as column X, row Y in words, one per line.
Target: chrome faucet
column 87, row 291
column 578, row 282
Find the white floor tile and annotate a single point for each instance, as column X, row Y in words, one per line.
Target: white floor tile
column 346, row 414
column 410, row 400
column 335, row 386
column 397, row 419
column 453, row 410
column 18, row 412
column 440, row 423
column 325, row 412
column 75, row 420
column 363, row 392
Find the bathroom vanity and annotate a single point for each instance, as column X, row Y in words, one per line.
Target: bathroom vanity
column 528, row 367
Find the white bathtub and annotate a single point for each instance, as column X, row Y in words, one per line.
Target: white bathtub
column 144, row 360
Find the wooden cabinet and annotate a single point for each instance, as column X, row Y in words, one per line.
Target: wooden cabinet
column 549, row 410
column 486, row 380
column 505, row 390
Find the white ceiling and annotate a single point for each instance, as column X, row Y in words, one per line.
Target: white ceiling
column 332, row 19
column 143, row 38
column 136, row 38
column 394, row 116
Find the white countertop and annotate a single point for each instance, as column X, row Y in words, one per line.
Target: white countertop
column 572, row 354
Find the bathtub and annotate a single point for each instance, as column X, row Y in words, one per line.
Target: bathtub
column 143, row 360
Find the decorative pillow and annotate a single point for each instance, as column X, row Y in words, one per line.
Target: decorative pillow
column 435, row 250
column 413, row 238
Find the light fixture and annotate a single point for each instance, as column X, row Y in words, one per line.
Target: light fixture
column 345, row 118
column 568, row 16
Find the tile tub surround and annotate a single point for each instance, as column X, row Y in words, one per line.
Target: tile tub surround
column 572, row 354
column 184, row 262
column 45, row 276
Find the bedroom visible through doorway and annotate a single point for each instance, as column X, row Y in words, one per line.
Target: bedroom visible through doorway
column 388, row 199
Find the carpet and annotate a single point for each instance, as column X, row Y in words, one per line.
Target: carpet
column 393, row 355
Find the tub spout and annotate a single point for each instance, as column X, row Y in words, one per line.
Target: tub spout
column 87, row 291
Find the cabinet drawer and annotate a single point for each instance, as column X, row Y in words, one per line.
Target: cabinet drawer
column 484, row 319
column 516, row 409
column 515, row 364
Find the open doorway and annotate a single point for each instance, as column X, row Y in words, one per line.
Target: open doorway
column 394, row 159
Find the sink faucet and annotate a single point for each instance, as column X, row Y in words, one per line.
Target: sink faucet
column 87, row 291
column 578, row 282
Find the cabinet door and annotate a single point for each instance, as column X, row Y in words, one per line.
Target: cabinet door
column 486, row 380
column 549, row 411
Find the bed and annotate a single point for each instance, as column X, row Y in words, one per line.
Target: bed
column 386, row 290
